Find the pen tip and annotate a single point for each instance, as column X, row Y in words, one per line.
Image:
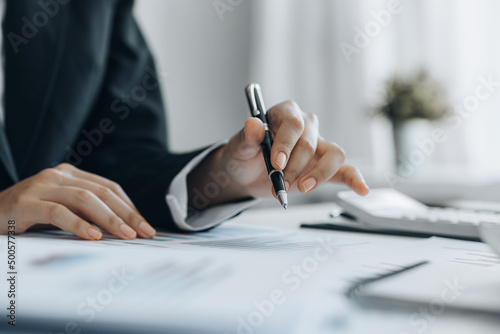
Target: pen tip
column 282, row 198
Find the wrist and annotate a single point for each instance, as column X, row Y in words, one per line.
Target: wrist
column 212, row 181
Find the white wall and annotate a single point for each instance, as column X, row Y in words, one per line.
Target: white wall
column 207, row 62
column 210, row 60
column 292, row 48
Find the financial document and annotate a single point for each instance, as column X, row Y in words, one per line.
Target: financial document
column 410, row 301
column 236, row 278
column 209, row 281
column 459, row 275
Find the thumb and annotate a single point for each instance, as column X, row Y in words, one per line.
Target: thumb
column 246, row 143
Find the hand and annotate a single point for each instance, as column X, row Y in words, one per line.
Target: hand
column 306, row 159
column 72, row 199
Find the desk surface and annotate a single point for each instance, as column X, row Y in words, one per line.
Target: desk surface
column 296, row 215
column 374, row 319
column 318, row 306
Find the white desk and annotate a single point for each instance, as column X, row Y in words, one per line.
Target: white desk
column 317, row 306
column 358, row 319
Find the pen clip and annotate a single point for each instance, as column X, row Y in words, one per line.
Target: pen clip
column 259, row 101
column 251, row 99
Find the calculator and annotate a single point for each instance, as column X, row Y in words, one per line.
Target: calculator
column 390, row 209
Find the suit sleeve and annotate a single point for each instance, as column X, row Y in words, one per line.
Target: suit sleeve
column 131, row 116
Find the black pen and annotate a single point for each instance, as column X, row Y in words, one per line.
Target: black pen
column 257, row 110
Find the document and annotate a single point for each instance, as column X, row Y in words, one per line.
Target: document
column 335, row 311
column 237, row 278
column 213, row 281
column 459, row 275
column 441, row 286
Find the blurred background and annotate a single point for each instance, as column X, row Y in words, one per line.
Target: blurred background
column 410, row 89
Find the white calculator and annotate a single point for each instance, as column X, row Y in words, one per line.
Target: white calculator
column 392, row 210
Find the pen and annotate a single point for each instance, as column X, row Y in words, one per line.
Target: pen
column 257, row 110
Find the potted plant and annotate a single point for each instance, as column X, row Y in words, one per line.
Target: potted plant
column 406, row 99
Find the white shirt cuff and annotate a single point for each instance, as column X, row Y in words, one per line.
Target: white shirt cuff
column 177, row 200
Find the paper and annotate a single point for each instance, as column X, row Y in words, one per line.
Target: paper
column 459, row 275
column 404, row 314
column 449, row 251
column 240, row 237
column 218, row 281
column 199, row 282
column 440, row 287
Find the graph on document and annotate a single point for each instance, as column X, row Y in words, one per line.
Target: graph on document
column 475, row 257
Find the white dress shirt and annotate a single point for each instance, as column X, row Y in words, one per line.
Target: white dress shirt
column 177, row 200
column 177, row 194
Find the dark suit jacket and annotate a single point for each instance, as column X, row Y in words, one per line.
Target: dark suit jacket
column 81, row 87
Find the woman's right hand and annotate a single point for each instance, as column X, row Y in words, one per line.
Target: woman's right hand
column 72, row 200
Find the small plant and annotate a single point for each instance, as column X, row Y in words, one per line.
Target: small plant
column 416, row 97
column 406, row 99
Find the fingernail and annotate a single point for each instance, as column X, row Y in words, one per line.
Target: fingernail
column 280, row 160
column 309, row 184
column 94, row 234
column 127, row 231
column 287, row 186
column 147, row 229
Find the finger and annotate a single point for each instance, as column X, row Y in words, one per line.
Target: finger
column 331, row 158
column 71, row 170
column 245, row 145
column 86, row 203
column 303, row 152
column 130, row 216
column 60, row 216
column 352, row 178
column 287, row 122
column 113, row 186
